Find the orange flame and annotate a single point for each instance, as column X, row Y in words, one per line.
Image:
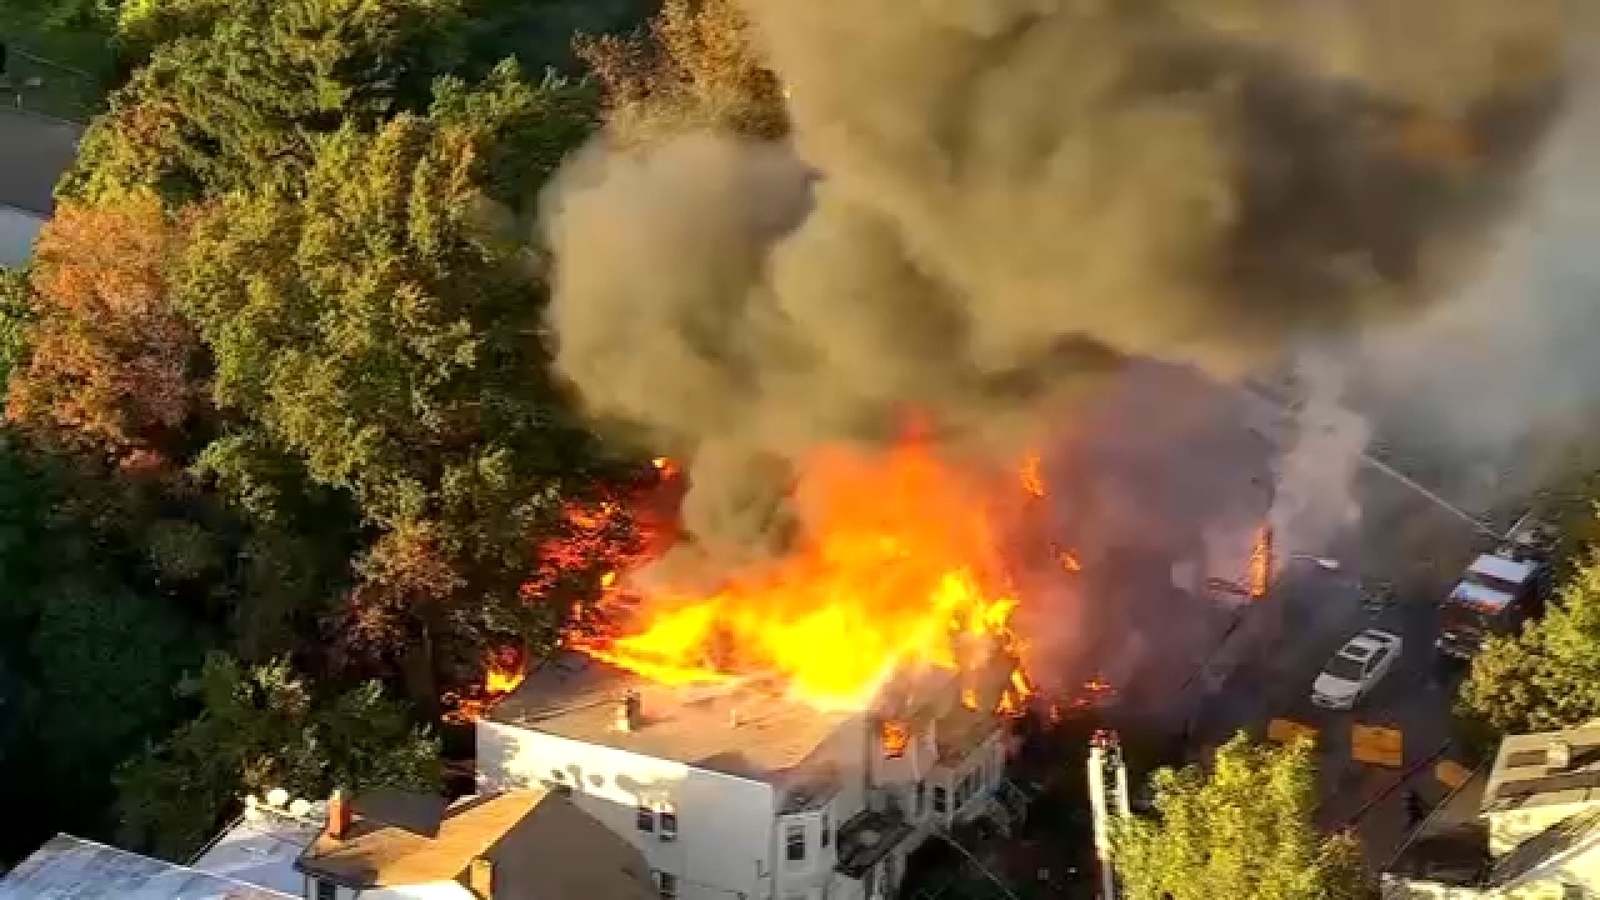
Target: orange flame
column 896, row 736
column 1261, row 563
column 1032, row 481
column 900, row 568
column 504, row 670
column 1070, row 562
column 665, row 466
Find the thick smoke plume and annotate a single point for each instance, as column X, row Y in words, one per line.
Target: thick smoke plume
column 988, row 205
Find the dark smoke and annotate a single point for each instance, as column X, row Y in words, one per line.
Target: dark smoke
column 989, row 204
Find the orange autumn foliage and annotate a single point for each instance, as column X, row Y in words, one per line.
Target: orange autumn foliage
column 111, row 363
column 697, row 68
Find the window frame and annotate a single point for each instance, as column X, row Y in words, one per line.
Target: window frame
column 645, row 820
column 826, row 837
column 325, row 889
column 667, row 824
column 941, row 799
column 792, row 830
column 666, row 885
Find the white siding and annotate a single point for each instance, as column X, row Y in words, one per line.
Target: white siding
column 443, row 890
column 725, row 824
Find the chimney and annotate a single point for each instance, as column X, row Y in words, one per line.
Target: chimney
column 1558, row 756
column 629, row 712
column 480, row 878
column 339, row 814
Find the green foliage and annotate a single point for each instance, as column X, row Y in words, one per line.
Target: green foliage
column 1242, row 831
column 382, row 325
column 16, row 315
column 1548, row 676
column 261, row 728
column 233, row 93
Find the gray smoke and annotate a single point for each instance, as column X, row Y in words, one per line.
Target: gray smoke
column 989, row 205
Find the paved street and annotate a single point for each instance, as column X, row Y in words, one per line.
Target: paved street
column 1321, row 610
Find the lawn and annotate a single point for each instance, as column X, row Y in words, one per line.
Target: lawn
column 54, row 72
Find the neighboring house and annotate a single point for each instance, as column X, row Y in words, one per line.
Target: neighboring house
column 1540, row 827
column 384, row 845
column 34, row 151
column 83, row 870
column 738, row 792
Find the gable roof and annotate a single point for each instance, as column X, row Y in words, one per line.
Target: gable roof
column 34, row 151
column 534, row 838
column 71, row 868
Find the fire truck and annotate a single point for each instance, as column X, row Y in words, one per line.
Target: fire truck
column 1498, row 592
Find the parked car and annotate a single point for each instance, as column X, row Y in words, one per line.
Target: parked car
column 1356, row 669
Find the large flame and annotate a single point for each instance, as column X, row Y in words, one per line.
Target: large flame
column 504, row 670
column 900, row 568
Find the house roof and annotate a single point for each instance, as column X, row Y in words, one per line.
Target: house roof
column 746, row 729
column 1522, row 778
column 34, row 151
column 70, row 868
column 533, row 837
column 260, row 849
column 1501, row 569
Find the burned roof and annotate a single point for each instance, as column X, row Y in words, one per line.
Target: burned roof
column 747, row 729
column 69, row 867
column 866, row 838
column 1530, row 770
column 961, row 731
column 533, row 837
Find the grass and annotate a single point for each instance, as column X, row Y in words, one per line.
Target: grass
column 54, row 72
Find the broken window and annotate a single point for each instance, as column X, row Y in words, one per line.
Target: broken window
column 646, row 819
column 795, row 843
column 940, row 801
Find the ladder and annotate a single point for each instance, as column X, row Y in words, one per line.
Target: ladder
column 1108, row 797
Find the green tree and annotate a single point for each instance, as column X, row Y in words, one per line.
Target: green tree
column 382, row 324
column 1548, row 676
column 261, row 728
column 233, row 94
column 1240, row 831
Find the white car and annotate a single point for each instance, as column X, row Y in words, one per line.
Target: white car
column 1358, row 667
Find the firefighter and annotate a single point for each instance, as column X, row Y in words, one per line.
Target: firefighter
column 1416, row 810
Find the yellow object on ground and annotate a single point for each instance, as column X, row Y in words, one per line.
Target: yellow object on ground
column 1377, row 746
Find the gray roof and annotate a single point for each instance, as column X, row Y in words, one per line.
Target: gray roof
column 34, row 151
column 69, row 868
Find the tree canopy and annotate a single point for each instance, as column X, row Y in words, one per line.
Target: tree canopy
column 261, row 728
column 1241, row 830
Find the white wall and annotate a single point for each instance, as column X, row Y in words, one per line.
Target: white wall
column 725, row 836
column 443, row 890
column 1508, row 829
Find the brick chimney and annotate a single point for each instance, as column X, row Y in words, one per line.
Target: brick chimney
column 629, row 712
column 340, row 814
column 480, row 878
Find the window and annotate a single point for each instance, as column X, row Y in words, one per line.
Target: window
column 940, row 801
column 669, row 825
column 827, row 829
column 646, row 819
column 667, row 886
column 794, row 840
column 919, row 799
column 326, row 890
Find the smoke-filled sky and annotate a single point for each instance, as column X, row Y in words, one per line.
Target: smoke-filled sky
column 987, row 205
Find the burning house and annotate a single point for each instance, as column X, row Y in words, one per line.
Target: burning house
column 740, row 788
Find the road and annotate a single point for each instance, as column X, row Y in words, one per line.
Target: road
column 1322, row 609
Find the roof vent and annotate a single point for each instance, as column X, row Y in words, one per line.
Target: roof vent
column 1558, row 756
